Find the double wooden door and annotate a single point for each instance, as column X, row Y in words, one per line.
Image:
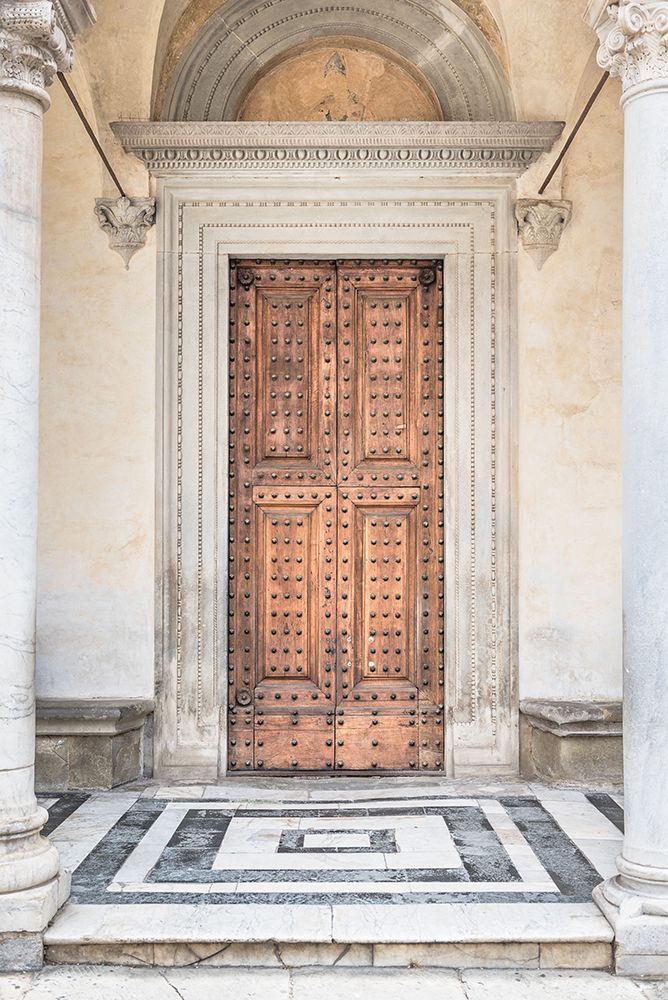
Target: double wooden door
column 336, row 618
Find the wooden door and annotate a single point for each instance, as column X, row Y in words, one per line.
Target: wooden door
column 336, row 628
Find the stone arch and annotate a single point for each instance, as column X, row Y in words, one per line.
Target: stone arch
column 242, row 40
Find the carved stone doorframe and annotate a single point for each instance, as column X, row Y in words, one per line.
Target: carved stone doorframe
column 323, row 192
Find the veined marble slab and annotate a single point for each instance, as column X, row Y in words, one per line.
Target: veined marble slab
column 153, row 922
column 460, row 922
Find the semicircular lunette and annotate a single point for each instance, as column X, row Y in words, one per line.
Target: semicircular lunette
column 340, row 80
column 357, row 60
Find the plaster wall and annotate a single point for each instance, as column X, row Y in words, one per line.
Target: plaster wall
column 569, row 391
column 97, row 520
column 97, row 450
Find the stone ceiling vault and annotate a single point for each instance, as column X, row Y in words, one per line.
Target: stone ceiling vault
column 214, row 65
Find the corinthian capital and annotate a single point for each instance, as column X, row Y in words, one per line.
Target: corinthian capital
column 541, row 223
column 634, row 41
column 35, row 43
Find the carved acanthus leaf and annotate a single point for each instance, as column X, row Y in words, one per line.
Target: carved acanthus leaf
column 33, row 47
column 126, row 221
column 541, row 223
column 634, row 41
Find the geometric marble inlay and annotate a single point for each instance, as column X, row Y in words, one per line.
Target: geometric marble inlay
column 422, row 848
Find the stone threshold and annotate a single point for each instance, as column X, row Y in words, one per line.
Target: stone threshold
column 520, row 935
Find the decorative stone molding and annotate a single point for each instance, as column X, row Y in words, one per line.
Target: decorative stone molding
column 205, row 219
column 74, row 16
column 634, row 41
column 575, row 718
column 541, row 223
column 469, row 147
column 126, row 221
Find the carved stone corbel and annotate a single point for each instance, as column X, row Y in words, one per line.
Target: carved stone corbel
column 541, row 223
column 126, row 221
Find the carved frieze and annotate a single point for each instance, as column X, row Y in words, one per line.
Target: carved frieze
column 634, row 41
column 482, row 147
column 127, row 222
column 541, row 223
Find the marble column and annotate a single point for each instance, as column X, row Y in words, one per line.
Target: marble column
column 634, row 47
column 35, row 42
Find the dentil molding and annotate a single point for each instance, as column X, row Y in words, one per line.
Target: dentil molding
column 482, row 147
column 541, row 223
column 634, row 39
column 36, row 42
column 127, row 222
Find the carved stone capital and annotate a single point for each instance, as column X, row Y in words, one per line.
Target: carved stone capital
column 126, row 221
column 541, row 223
column 634, row 41
column 36, row 39
column 33, row 47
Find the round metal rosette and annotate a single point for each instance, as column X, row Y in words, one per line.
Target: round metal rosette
column 244, row 697
column 245, row 277
column 427, row 276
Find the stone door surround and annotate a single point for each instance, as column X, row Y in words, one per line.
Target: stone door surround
column 333, row 191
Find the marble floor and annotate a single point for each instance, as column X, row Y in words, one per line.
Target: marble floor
column 348, row 865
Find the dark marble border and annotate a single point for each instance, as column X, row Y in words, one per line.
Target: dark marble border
column 608, row 807
column 65, row 804
column 380, row 842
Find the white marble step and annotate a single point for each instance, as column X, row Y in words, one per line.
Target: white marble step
column 457, row 935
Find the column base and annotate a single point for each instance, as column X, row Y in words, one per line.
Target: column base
column 640, row 923
column 24, row 916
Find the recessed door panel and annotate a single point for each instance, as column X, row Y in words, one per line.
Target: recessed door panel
column 377, row 740
column 294, row 554
column 379, row 553
column 283, row 371
column 388, row 355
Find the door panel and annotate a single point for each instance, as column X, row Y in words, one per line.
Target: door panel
column 283, row 318
column 295, row 547
column 377, row 740
column 298, row 742
column 391, row 623
column 384, row 359
column 378, row 596
column 336, row 516
column 282, row 515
